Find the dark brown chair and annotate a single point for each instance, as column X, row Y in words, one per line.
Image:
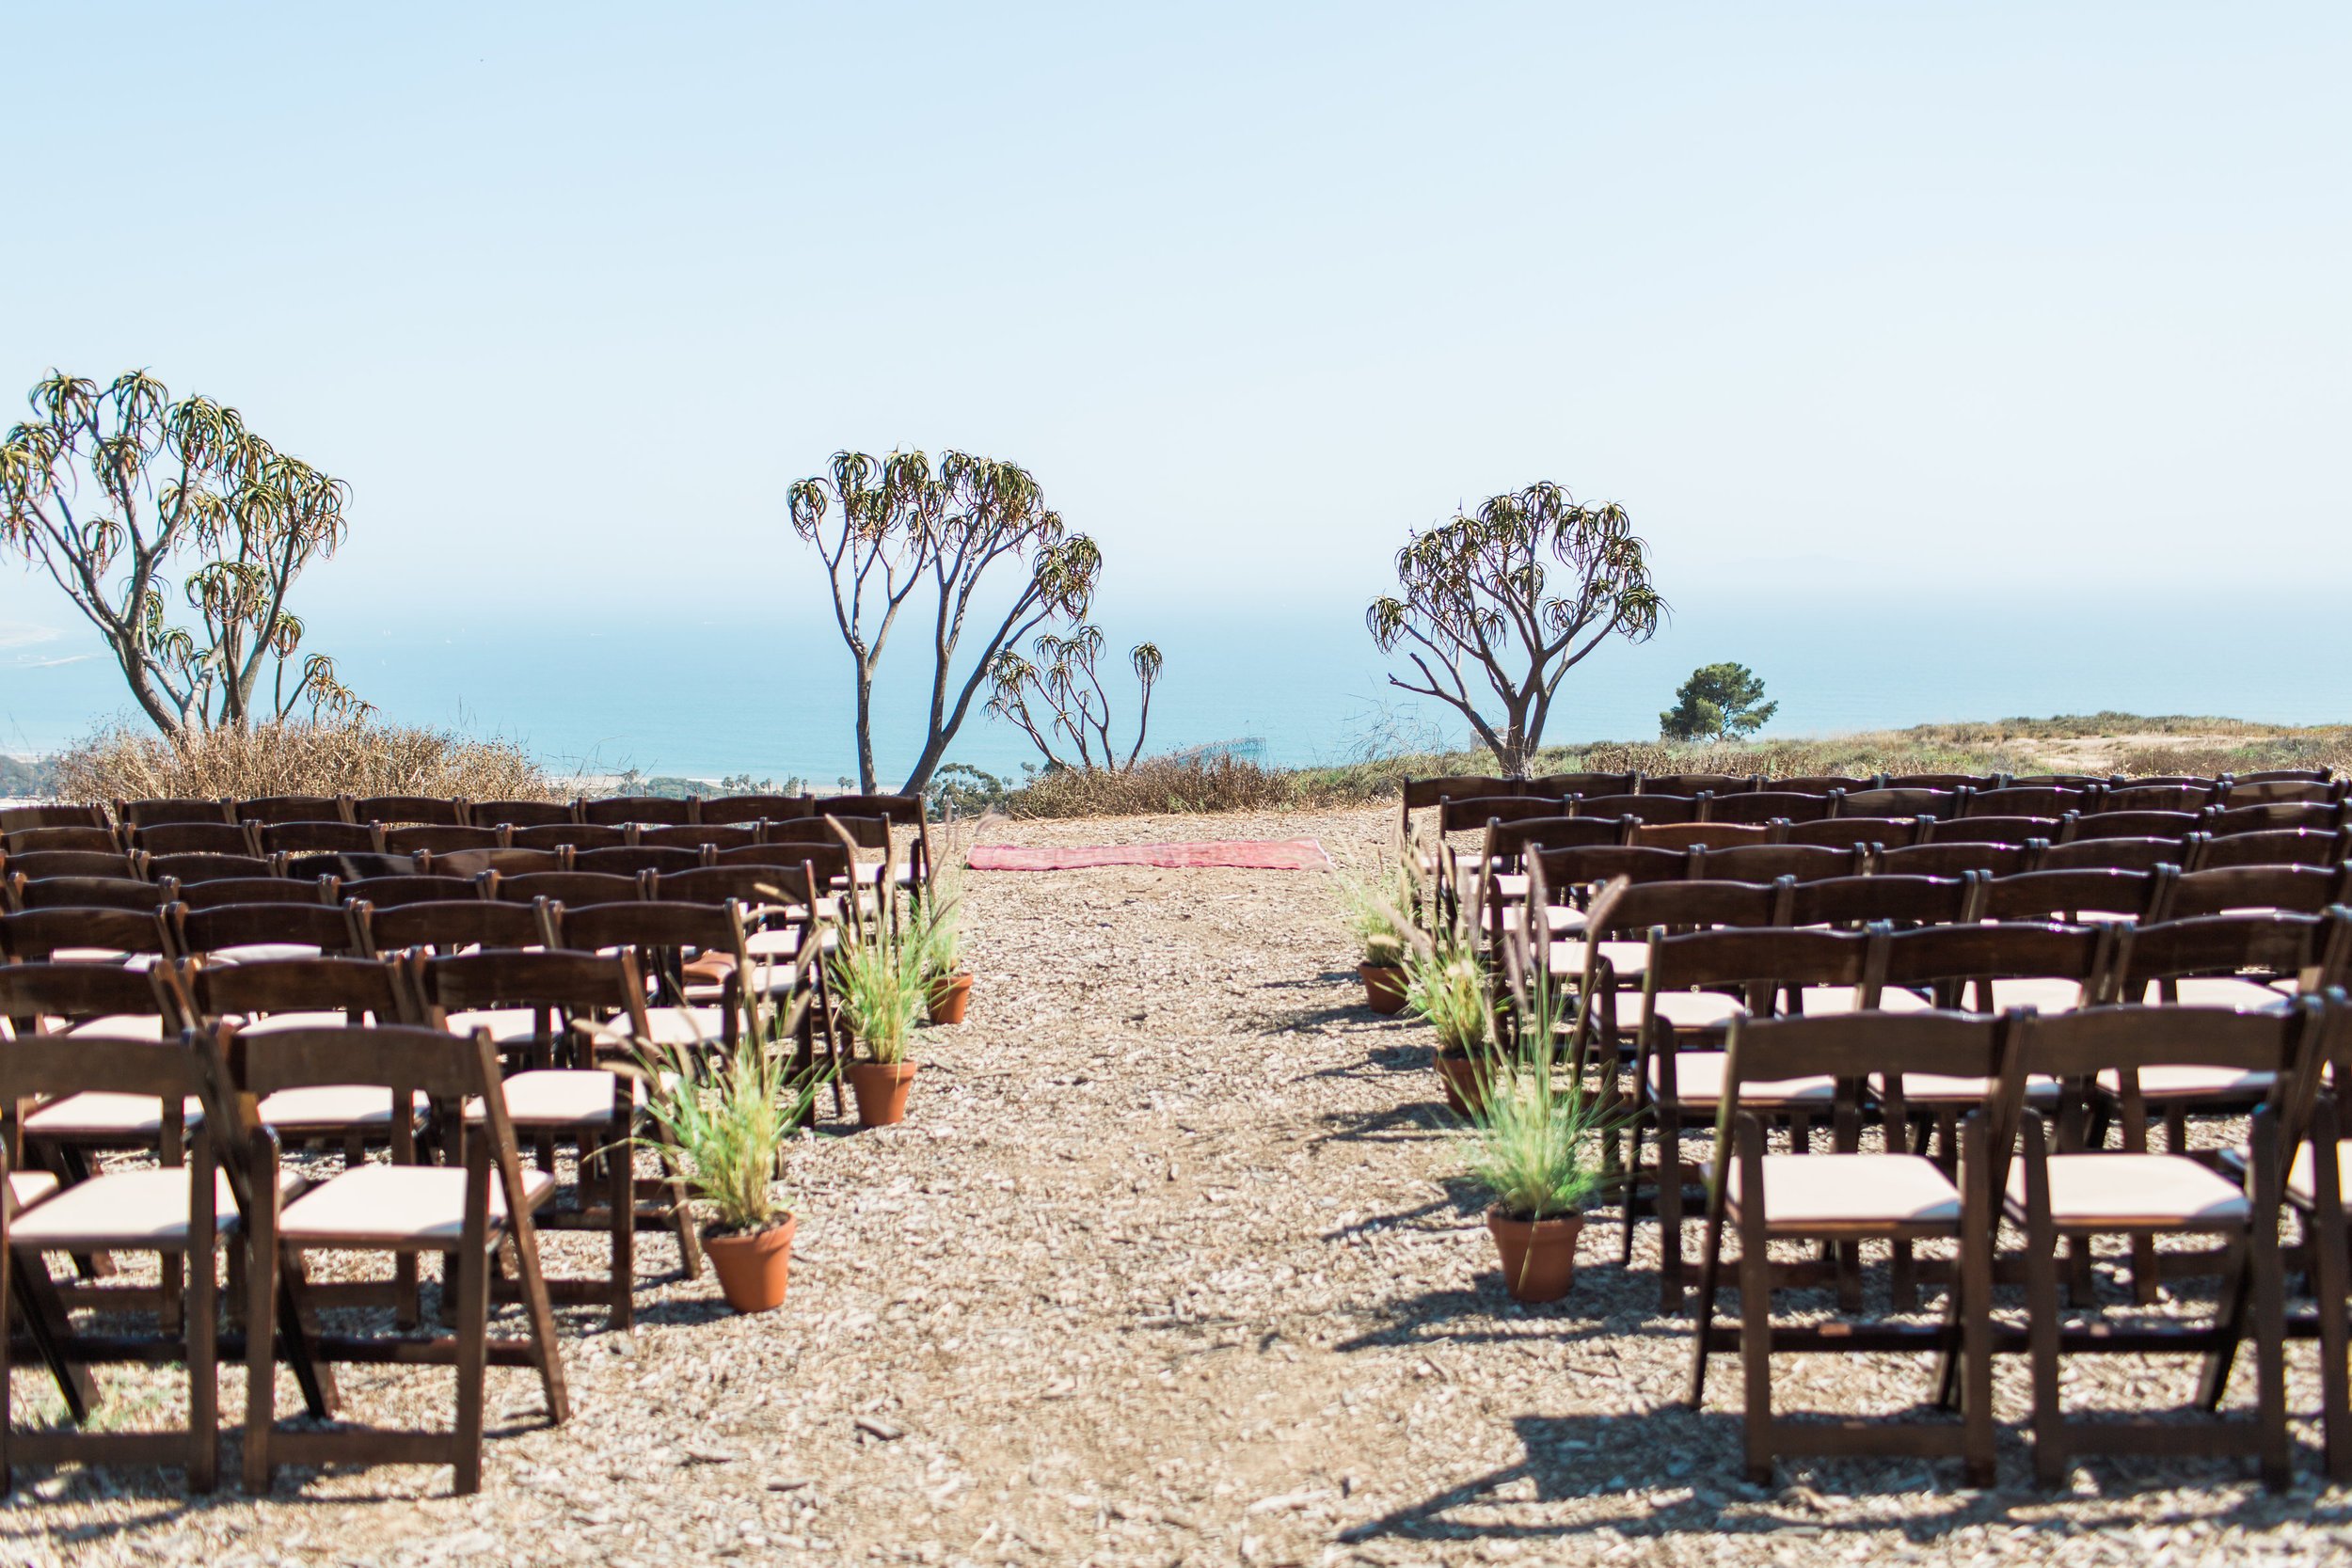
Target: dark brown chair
column 2174, row 825
column 447, row 926
column 1767, row 863
column 386, row 893
column 195, row 838
column 1991, row 968
column 1768, row 805
column 275, row 810
column 1695, row 784
column 1642, row 808
column 81, row 934
column 2284, row 846
column 517, row 813
column 18, row 820
column 260, row 890
column 575, row 836
column 2260, row 890
column 1852, row 902
column 409, row 810
column 1843, row 832
column 1462, row 816
column 178, row 1210
column 2250, row 790
column 1901, row 802
column 161, row 812
column 1694, row 986
column 2033, row 801
column 552, row 1009
column 99, row 892
column 1557, row 785
column 2174, row 797
column 695, row 835
column 442, row 838
column 2075, row 1194
column 1841, row 1199
column 319, row 838
column 1820, row 783
column 1610, row 955
column 614, row 810
column 734, row 809
column 28, row 840
column 1945, row 782
column 1950, row 860
column 632, row 860
column 469, row 1214
column 1691, row 835
column 2072, row 897
column 2114, row 854
column 2311, row 815
column 211, row 869
column 41, row 864
column 242, row 932
column 568, row 887
column 2018, row 831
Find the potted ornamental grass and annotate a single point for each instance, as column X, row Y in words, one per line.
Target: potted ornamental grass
column 937, row 915
column 1533, row 1141
column 725, row 1113
column 1371, row 907
column 882, row 982
column 1449, row 984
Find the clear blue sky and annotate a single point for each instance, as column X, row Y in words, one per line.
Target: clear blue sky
column 1871, row 297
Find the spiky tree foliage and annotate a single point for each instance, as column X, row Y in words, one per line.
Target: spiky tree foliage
column 1497, row 606
column 1720, row 702
column 1074, row 730
column 889, row 526
column 127, row 498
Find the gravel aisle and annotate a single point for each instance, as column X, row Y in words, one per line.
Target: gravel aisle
column 1166, row 1267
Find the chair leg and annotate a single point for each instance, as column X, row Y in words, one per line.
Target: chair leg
column 34, row 1296
column 2042, row 1328
column 1980, row 1216
column 1632, row 1191
column 2236, row 1297
column 2335, row 1378
column 203, row 1326
column 261, row 1353
column 1669, row 1162
column 1711, row 1264
column 2270, row 1352
column 1756, row 1315
column 620, row 1185
column 473, row 1313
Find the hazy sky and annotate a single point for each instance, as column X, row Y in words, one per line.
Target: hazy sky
column 1870, row 297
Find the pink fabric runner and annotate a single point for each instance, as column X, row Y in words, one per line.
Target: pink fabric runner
column 1248, row 854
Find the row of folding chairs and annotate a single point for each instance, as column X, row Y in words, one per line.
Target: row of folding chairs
column 2022, row 1203
column 620, row 860
column 609, row 811
column 2058, row 814
column 256, row 838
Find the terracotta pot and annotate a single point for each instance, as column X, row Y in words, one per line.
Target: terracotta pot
column 1539, row 1255
column 882, row 1089
column 950, row 997
column 753, row 1269
column 1384, row 987
column 1465, row 1079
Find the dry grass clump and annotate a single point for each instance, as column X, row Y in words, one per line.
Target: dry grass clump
column 359, row 757
column 1157, row 785
column 2329, row 748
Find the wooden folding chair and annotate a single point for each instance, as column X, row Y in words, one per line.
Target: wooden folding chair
column 550, row 1011
column 735, row 810
column 88, row 838
column 1692, row 835
column 2260, row 890
column 568, row 835
column 1915, row 802
column 272, row 809
column 1851, row 903
column 241, row 932
column 447, row 926
column 635, row 859
column 401, row 1208
column 71, row 933
column 319, row 838
column 1868, row 833
column 16, row 820
column 2116, row 854
column 261, row 890
column 2175, row 825
column 395, row 811
column 1613, row 947
column 2075, row 1195
column 211, row 868
column 2020, row 832
column 195, row 838
column 386, row 893
column 38, row 865
column 442, row 838
column 161, row 812
column 2075, row 897
column 179, row 1212
column 2282, row 847
column 615, row 810
column 1950, row 860
column 519, row 814
column 1770, row 863
column 1839, row 1200
column 1766, row 806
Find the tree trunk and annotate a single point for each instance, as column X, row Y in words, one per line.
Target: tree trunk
column 865, row 727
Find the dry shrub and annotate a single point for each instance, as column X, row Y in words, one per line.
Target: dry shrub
column 2330, row 749
column 1157, row 785
column 360, row 757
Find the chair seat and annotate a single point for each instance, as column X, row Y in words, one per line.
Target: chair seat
column 778, row 943
column 395, row 1206
column 1831, row 1001
column 2043, row 994
column 2229, row 990
column 101, row 1113
column 1805, row 1193
column 131, row 1210
column 120, row 1026
column 1699, row 1081
column 1941, row 1088
column 332, row 1108
column 1695, row 1010
column 1560, row 919
column 28, row 1187
column 320, row 1020
column 1625, row 958
column 2194, row 1082
column 559, row 1096
column 506, row 1024
column 261, row 952
column 687, row 1026
column 2130, row 1192
column 2303, row 1175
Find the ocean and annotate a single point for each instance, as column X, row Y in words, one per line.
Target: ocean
column 746, row 692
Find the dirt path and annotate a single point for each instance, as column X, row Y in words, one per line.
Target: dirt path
column 1168, row 1267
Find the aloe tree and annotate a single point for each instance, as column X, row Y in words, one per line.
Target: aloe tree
column 1480, row 594
column 1071, row 723
column 888, row 527
column 124, row 494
